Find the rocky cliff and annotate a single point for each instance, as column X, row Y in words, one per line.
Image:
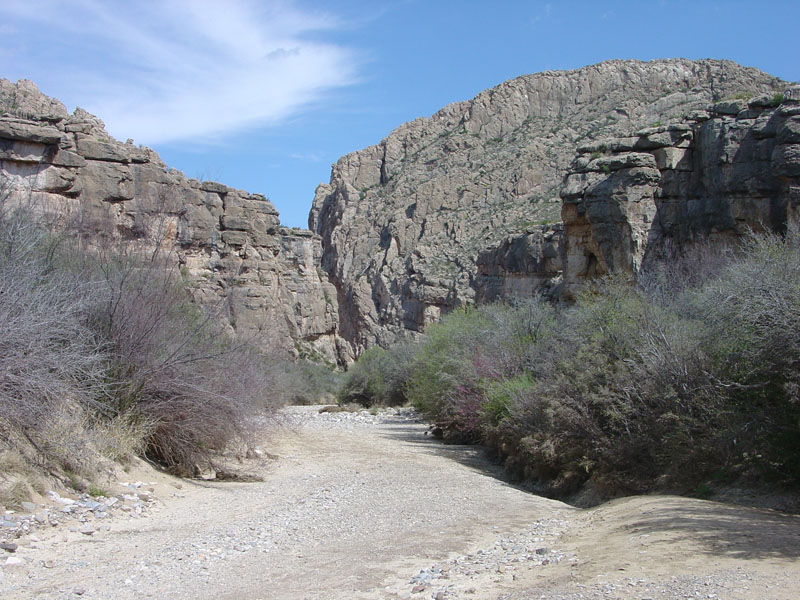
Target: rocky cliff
column 484, row 200
column 465, row 205
column 714, row 175
column 229, row 244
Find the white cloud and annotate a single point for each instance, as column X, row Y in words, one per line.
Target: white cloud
column 179, row 69
column 308, row 156
column 545, row 14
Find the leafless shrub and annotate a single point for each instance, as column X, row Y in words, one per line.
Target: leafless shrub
column 102, row 349
column 49, row 357
column 171, row 363
column 121, row 437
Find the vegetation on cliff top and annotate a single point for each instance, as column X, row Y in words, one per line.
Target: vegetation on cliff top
column 685, row 381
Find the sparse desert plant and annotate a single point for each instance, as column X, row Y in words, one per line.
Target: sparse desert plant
column 777, row 100
column 379, row 377
column 302, row 382
column 102, row 349
column 165, row 354
column 688, row 373
column 49, row 357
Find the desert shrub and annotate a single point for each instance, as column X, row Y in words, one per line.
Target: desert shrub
column 166, row 356
column 752, row 311
column 364, row 382
column 303, row 382
column 103, row 350
column 691, row 372
column 49, row 357
column 623, row 398
column 379, row 377
column 442, row 376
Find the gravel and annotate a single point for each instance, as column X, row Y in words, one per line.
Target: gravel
column 355, row 505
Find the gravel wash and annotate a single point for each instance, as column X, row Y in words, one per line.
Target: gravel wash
column 355, row 505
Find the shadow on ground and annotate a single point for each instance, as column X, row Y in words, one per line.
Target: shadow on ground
column 718, row 529
column 715, row 528
column 473, row 456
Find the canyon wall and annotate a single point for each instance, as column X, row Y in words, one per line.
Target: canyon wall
column 229, row 244
column 465, row 206
column 485, row 200
column 715, row 175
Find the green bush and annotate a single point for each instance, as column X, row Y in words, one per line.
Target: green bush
column 303, row 382
column 664, row 384
column 379, row 378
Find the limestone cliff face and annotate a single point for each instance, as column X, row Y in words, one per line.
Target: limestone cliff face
column 484, row 200
column 717, row 174
column 229, row 244
column 462, row 206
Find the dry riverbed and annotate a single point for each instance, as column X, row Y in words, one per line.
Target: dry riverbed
column 362, row 506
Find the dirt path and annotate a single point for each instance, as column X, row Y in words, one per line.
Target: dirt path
column 369, row 507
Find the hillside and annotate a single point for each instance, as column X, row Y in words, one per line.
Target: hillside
column 466, row 205
column 532, row 186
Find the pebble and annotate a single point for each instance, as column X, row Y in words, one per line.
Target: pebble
column 14, row 561
column 310, row 417
column 496, row 563
column 82, row 511
column 470, row 575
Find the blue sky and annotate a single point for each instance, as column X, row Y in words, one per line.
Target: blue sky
column 265, row 95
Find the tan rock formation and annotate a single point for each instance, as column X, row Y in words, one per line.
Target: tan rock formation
column 462, row 207
column 717, row 174
column 420, row 223
column 229, row 244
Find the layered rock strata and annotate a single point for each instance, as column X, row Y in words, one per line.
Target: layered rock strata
column 458, row 207
column 723, row 171
column 229, row 244
column 463, row 207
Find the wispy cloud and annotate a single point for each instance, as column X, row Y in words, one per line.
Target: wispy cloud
column 543, row 15
column 177, row 70
column 308, row 156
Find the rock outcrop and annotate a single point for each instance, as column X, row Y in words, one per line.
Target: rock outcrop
column 715, row 175
column 462, row 206
column 482, row 201
column 229, row 244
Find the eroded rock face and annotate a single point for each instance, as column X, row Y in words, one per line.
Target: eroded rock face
column 462, row 207
column 522, row 265
column 458, row 207
column 229, row 244
column 715, row 175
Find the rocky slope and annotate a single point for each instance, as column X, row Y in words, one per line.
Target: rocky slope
column 712, row 176
column 465, row 205
column 483, row 200
column 229, row 244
